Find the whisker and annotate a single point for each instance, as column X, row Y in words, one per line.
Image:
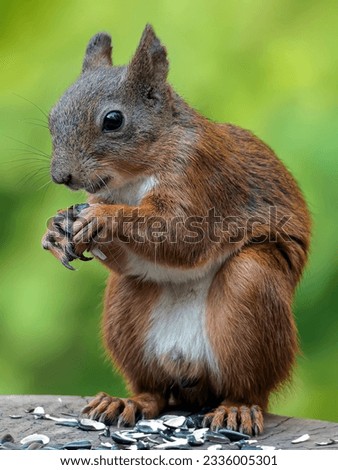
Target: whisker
column 105, row 184
column 31, row 175
column 35, row 123
column 38, row 157
column 30, row 152
column 44, row 185
column 34, row 119
column 41, row 152
column 31, row 102
column 23, row 163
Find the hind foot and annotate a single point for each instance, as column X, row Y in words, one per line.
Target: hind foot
column 237, row 417
column 124, row 411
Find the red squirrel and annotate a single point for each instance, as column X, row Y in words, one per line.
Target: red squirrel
column 203, row 230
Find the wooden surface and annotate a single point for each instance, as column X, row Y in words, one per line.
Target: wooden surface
column 279, row 430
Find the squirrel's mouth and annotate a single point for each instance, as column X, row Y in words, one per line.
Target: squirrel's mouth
column 95, row 186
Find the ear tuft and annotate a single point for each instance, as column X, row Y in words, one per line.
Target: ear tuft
column 149, row 64
column 98, row 52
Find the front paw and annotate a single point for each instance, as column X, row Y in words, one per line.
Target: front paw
column 94, row 224
column 58, row 238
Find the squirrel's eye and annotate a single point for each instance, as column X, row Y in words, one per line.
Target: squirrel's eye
column 112, row 121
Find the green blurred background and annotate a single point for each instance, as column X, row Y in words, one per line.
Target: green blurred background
column 270, row 66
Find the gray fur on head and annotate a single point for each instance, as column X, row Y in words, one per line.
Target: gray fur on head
column 82, row 150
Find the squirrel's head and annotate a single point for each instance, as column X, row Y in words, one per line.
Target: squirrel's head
column 105, row 125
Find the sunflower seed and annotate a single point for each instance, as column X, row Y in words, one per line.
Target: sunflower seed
column 152, row 441
column 77, row 208
column 326, row 443
column 134, row 434
column 178, row 444
column 15, row 416
column 200, row 433
column 167, row 436
column 233, row 435
column 98, row 253
column 54, row 447
column 194, row 421
column 69, row 423
column 106, row 444
column 212, row 436
column 166, row 417
column 35, row 446
column 303, row 438
column 141, row 445
column 77, row 445
column 65, row 421
column 146, row 429
column 35, row 438
column 119, row 438
column 182, row 432
column 38, row 411
column 150, row 426
column 91, row 425
column 194, row 442
column 176, row 422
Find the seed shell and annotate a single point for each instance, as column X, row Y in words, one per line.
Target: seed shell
column 77, row 445
column 233, row 435
column 91, row 425
column 35, row 438
column 303, row 438
column 120, row 438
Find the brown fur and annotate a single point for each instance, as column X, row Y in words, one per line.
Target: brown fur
column 199, row 165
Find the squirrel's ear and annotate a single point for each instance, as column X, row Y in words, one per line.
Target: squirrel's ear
column 98, row 52
column 150, row 63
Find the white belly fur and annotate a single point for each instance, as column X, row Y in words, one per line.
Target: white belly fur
column 178, row 328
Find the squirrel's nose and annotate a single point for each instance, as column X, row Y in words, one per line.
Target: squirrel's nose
column 60, row 171
column 62, row 178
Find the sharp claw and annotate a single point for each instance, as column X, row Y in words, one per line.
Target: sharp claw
column 122, row 422
column 70, row 251
column 206, row 421
column 85, row 258
column 66, row 264
column 85, row 410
